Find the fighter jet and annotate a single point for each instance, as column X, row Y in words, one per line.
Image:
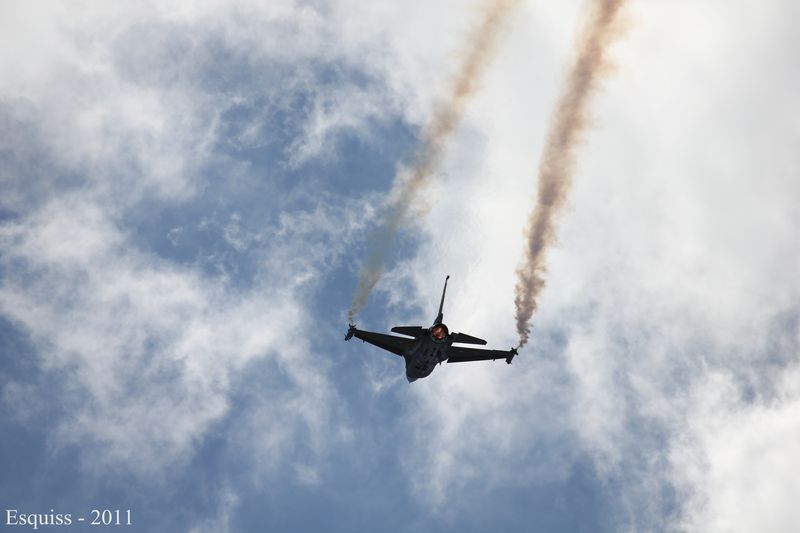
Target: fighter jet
column 424, row 348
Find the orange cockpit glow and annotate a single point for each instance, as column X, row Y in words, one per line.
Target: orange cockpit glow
column 439, row 332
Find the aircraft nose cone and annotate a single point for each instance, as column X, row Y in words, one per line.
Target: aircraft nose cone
column 410, row 379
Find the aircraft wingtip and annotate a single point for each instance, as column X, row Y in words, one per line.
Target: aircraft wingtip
column 512, row 353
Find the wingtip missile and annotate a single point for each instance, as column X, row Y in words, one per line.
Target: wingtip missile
column 510, row 358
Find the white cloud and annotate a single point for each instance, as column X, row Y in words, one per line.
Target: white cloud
column 737, row 461
column 677, row 254
column 149, row 347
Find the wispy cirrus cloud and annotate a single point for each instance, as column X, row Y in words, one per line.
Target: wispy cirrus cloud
column 137, row 137
column 150, row 348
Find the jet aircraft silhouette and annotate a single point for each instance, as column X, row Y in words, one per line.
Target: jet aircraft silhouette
column 424, row 348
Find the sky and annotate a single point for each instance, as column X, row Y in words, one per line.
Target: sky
column 189, row 190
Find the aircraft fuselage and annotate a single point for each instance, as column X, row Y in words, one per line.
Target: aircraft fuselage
column 427, row 352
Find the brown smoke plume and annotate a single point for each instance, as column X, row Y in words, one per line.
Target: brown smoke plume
column 558, row 159
column 406, row 189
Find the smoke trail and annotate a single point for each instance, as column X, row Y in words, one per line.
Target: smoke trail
column 558, row 159
column 406, row 189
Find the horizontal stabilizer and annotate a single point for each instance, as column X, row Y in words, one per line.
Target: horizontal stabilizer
column 467, row 339
column 411, row 331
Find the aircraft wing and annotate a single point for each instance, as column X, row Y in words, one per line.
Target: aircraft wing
column 396, row 345
column 461, row 354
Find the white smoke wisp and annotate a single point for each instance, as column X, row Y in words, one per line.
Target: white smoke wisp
column 407, row 187
column 557, row 166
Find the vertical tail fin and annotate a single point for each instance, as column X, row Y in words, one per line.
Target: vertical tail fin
column 440, row 316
